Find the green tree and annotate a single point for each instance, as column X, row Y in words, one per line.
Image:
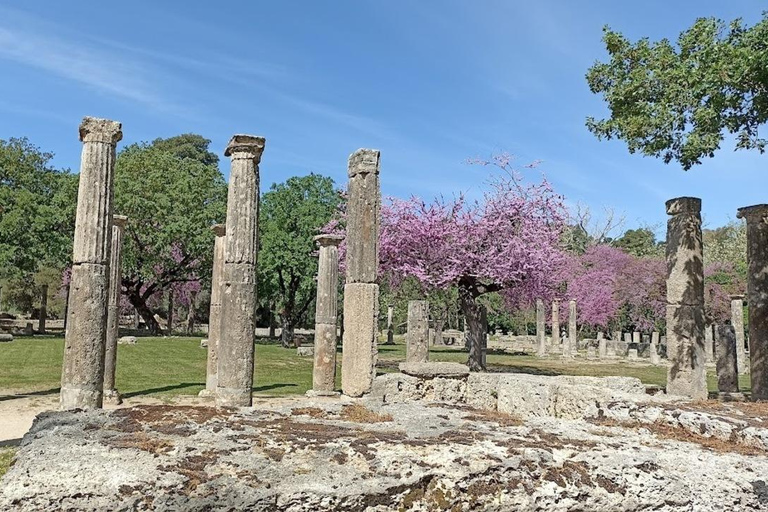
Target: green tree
column 172, row 192
column 639, row 242
column 727, row 244
column 37, row 207
column 677, row 102
column 290, row 215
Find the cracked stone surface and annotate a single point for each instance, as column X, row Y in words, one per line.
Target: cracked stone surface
column 312, row 454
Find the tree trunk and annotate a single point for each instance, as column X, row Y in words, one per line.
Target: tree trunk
column 142, row 309
column 286, row 336
column 191, row 313
column 170, row 312
column 476, row 320
column 271, row 324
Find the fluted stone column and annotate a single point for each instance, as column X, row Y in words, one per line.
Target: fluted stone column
column 361, row 291
column 43, row 309
column 737, row 320
column 541, row 333
column 111, row 394
column 686, row 375
column 417, row 337
column 390, row 327
column 238, row 299
column 573, row 340
column 214, row 313
column 709, row 343
column 757, row 296
column 326, row 313
column 82, row 377
column 654, row 348
column 727, row 369
column 555, row 322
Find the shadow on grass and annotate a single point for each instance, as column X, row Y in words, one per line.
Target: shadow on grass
column 164, row 388
column 272, row 386
column 51, row 391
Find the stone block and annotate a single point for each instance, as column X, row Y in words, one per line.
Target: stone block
column 483, row 390
column 127, row 340
column 4, row 338
column 305, row 351
column 431, row 370
column 358, row 363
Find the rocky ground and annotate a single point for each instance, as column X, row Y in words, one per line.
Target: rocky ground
column 343, row 454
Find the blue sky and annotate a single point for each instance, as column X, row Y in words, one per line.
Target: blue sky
column 430, row 83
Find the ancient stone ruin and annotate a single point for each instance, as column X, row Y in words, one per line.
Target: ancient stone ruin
column 326, row 312
column 111, row 394
column 214, row 315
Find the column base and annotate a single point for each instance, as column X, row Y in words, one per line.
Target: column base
column 112, row 397
column 80, row 398
column 206, row 393
column 319, row 393
column 231, row 397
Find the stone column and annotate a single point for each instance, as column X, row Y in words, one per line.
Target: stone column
column 43, row 309
column 326, row 313
column 417, row 337
column 390, row 327
column 541, row 326
column 214, row 313
column 602, row 346
column 686, row 375
column 361, row 293
column 113, row 310
column 555, row 322
column 709, row 343
column 636, row 338
column 573, row 340
column 238, row 290
column 82, row 377
column 654, row 348
column 737, row 320
column 757, row 296
column 727, row 369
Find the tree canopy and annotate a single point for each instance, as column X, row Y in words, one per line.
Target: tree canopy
column 290, row 215
column 678, row 102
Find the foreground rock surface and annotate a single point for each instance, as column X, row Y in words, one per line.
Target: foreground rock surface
column 345, row 454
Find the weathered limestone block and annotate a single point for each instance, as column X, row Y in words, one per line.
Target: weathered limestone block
column 83, row 369
column 709, row 343
column 483, row 390
column 358, row 362
column 326, row 313
column 727, row 368
column 541, row 325
column 632, row 354
column 737, row 320
column 685, row 299
column 305, row 351
column 430, row 370
column 6, row 337
column 111, row 395
column 757, row 296
column 363, row 217
column 654, row 349
column 417, row 337
column 602, row 348
column 127, row 340
column 238, row 289
column 214, row 313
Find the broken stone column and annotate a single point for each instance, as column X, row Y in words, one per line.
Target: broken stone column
column 632, row 354
column 111, row 394
column 541, row 325
column 82, row 377
column 573, row 341
column 43, row 309
column 214, row 313
column 417, row 337
column 654, row 348
column 727, row 369
column 555, row 322
column 361, row 293
column 686, row 375
column 757, row 296
column 737, row 320
column 636, row 338
column 391, row 329
column 326, row 313
column 238, row 293
column 602, row 346
column 709, row 343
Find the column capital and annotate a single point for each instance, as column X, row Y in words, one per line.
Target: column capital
column 364, row 161
column 119, row 221
column 680, row 205
column 94, row 129
column 219, row 229
column 328, row 239
column 245, row 147
column 753, row 213
column 737, row 297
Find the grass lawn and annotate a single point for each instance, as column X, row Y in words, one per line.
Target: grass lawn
column 176, row 366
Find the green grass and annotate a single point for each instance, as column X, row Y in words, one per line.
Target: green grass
column 176, row 366
column 6, row 456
